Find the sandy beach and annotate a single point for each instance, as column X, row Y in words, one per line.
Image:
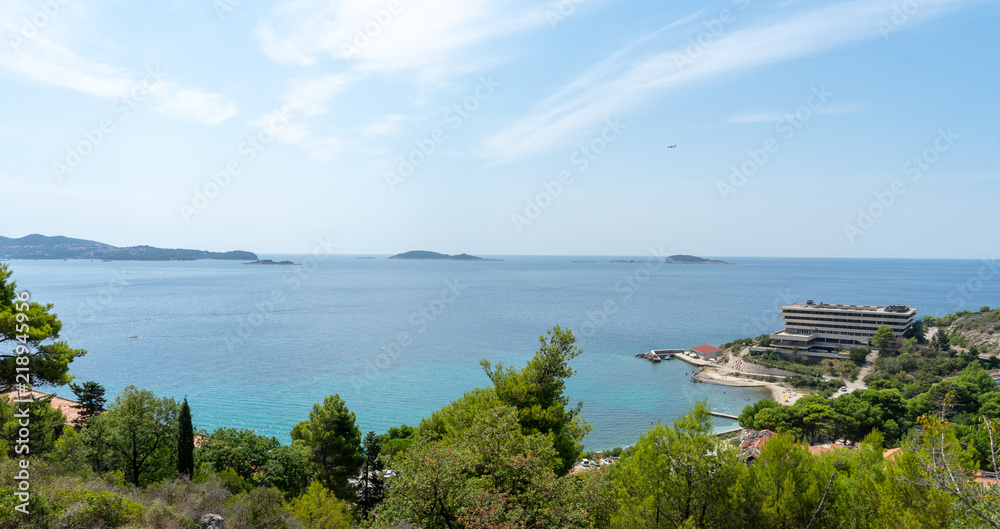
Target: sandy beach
column 714, row 374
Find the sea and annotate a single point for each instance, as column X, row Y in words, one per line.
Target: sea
column 255, row 346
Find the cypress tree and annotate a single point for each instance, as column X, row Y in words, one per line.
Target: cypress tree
column 185, row 442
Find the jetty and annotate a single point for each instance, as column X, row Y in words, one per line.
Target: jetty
column 660, row 354
column 724, row 415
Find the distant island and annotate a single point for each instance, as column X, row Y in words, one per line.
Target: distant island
column 270, row 262
column 425, row 255
column 675, row 259
column 42, row 247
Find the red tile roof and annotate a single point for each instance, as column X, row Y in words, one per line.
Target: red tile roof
column 59, row 403
column 892, row 454
column 987, row 480
column 752, row 442
column 706, row 349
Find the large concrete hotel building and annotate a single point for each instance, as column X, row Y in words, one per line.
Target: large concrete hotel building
column 825, row 328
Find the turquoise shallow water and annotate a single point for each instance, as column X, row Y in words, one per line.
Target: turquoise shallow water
column 256, row 346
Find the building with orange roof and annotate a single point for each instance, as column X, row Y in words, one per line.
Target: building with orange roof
column 66, row 406
column 707, row 352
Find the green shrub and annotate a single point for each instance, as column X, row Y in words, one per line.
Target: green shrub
column 188, row 498
column 99, row 509
column 159, row 515
column 41, row 511
column 261, row 508
column 233, row 482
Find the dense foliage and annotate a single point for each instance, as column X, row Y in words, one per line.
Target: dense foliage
column 537, row 393
column 334, row 443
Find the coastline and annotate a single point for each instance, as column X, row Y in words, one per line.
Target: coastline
column 713, row 373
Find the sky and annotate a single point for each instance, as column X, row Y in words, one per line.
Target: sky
column 858, row 128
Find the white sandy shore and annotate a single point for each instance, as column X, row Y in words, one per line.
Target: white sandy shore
column 714, row 374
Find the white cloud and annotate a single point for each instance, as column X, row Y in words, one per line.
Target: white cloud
column 195, row 105
column 310, row 97
column 36, row 56
column 770, row 116
column 628, row 79
column 431, row 37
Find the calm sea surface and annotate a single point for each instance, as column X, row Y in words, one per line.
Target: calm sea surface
column 256, row 346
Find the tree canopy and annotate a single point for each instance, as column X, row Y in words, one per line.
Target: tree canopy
column 138, row 435
column 33, row 326
column 536, row 391
column 334, row 442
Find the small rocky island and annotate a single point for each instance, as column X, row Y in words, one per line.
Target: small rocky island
column 270, row 262
column 425, row 255
column 675, row 259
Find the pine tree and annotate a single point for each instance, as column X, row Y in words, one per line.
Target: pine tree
column 371, row 486
column 334, row 441
column 90, row 398
column 185, row 442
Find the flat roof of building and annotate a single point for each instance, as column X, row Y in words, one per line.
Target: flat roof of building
column 893, row 309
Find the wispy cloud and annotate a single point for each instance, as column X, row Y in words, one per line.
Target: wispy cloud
column 43, row 59
column 384, row 126
column 770, row 116
column 307, row 98
column 630, row 78
column 311, row 97
column 188, row 104
column 432, row 37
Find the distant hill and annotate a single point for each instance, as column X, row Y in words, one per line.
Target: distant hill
column 42, row 247
column 675, row 259
column 423, row 254
column 690, row 259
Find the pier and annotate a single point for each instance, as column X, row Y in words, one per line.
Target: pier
column 660, row 354
column 723, row 415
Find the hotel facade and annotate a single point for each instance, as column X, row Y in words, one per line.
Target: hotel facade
column 828, row 328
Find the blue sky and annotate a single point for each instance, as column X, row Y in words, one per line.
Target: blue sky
column 862, row 128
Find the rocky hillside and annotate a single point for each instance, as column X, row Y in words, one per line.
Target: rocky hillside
column 981, row 329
